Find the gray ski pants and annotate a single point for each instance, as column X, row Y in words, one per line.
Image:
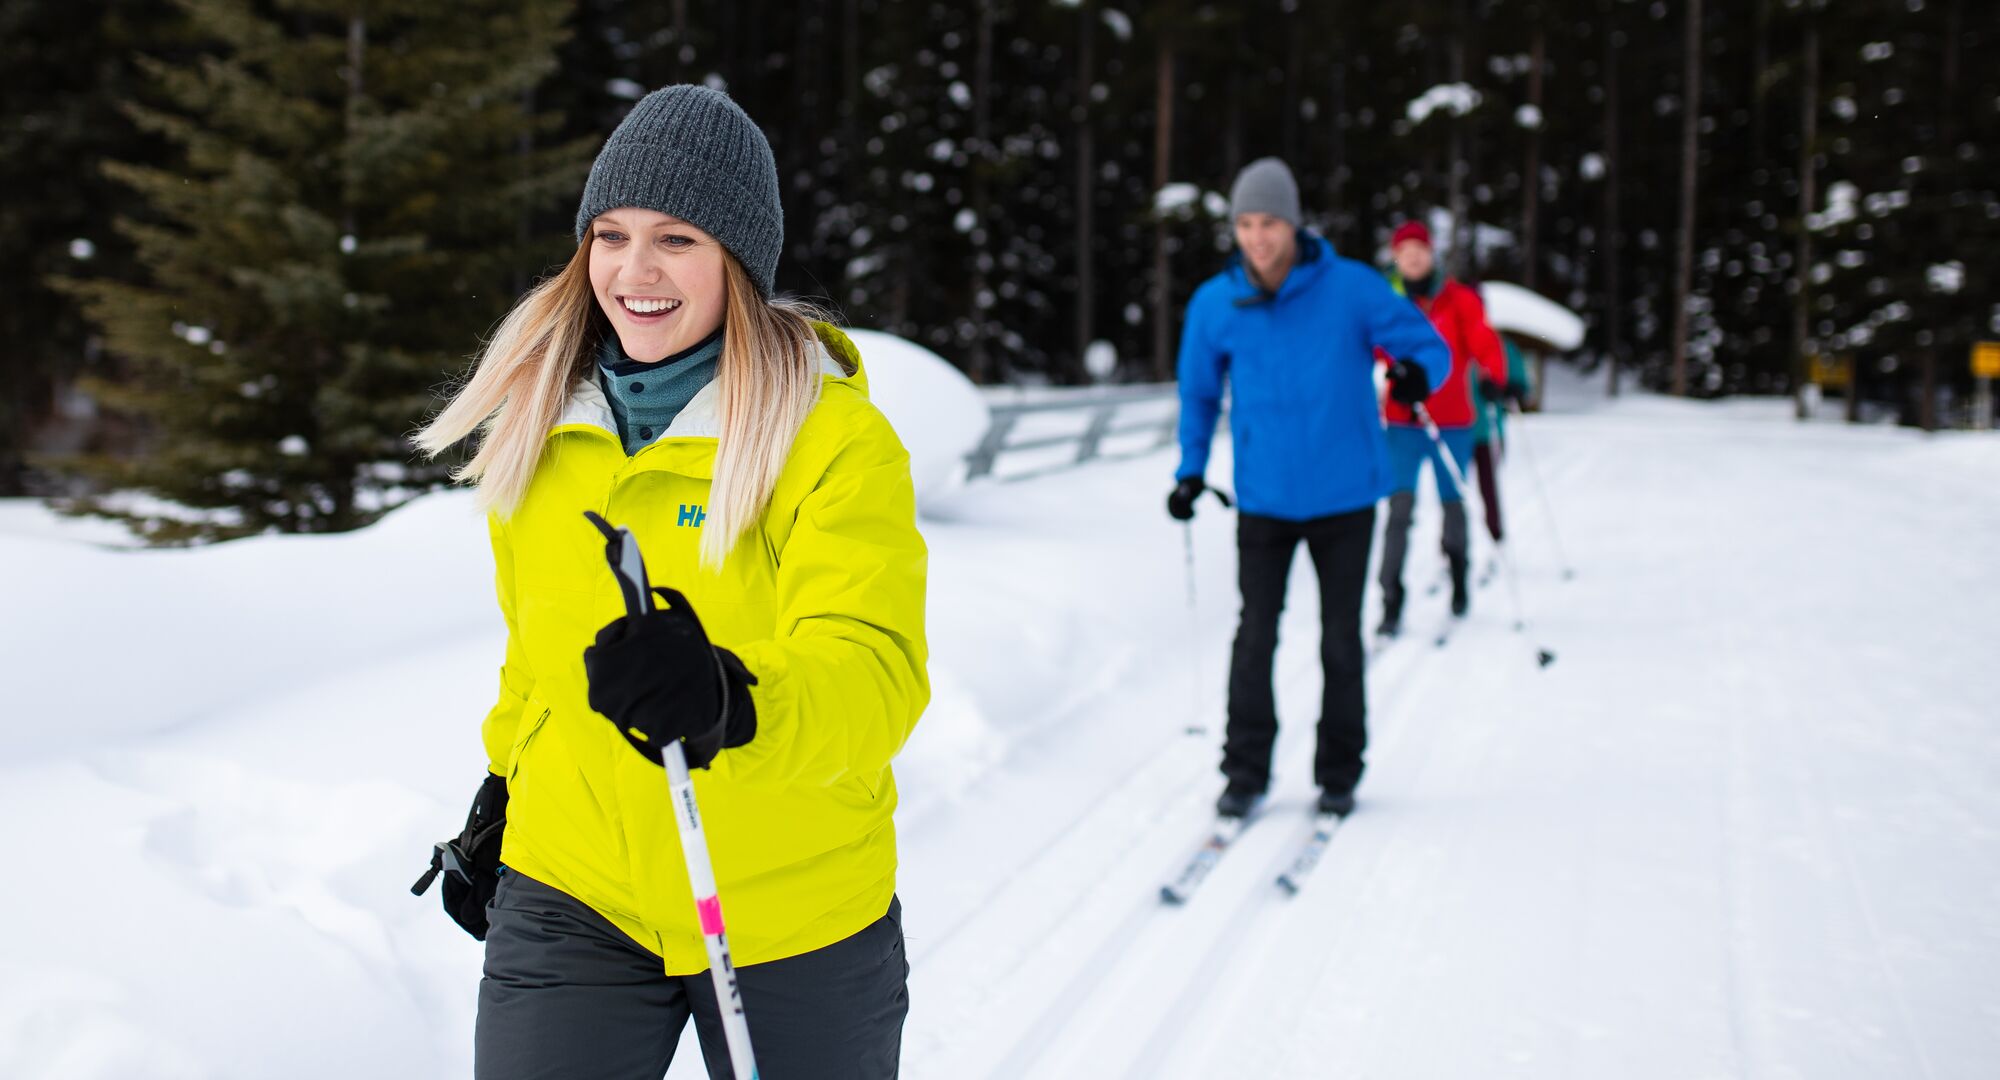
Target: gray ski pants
column 567, row 994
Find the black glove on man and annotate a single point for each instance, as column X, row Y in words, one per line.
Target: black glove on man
column 1408, row 384
column 658, row 679
column 470, row 861
column 1180, row 501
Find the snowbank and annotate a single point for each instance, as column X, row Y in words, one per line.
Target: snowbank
column 936, row 410
column 1515, row 310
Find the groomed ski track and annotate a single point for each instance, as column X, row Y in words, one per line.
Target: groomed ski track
column 1066, row 963
column 1694, row 846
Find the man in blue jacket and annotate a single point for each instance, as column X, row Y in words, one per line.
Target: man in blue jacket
column 1292, row 329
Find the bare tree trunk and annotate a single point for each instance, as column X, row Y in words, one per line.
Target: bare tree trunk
column 1927, row 408
column 1690, row 160
column 1460, row 261
column 1337, row 167
column 978, row 357
column 1294, row 60
column 1086, row 169
column 1802, row 344
column 1760, row 62
column 1531, row 173
column 1163, row 157
column 1614, row 304
column 683, row 52
column 1232, row 132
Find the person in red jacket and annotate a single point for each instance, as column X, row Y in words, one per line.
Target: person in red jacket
column 1460, row 318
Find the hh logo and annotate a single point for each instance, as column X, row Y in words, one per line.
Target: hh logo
column 692, row 516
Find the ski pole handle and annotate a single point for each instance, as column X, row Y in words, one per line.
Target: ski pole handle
column 629, row 567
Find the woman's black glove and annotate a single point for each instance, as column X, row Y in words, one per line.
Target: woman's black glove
column 470, row 861
column 658, row 679
column 1408, row 384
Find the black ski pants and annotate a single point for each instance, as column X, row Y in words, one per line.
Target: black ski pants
column 1339, row 549
column 567, row 994
column 1485, row 459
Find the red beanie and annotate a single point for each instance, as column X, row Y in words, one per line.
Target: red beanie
column 1410, row 230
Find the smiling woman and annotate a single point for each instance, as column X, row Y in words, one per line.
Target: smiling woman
column 659, row 280
column 655, row 381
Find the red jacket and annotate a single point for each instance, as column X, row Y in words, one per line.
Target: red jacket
column 1460, row 318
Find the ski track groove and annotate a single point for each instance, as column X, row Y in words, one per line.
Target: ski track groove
column 1256, row 995
column 1831, row 839
column 1044, row 1038
column 1069, row 906
column 1041, row 1035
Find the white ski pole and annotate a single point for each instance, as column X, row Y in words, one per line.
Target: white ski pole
column 1543, row 656
column 622, row 552
column 1542, row 493
column 1197, row 727
column 1195, row 724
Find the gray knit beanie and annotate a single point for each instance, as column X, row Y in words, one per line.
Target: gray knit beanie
column 1265, row 186
column 691, row 152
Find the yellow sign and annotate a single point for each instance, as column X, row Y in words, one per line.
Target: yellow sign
column 1830, row 372
column 1986, row 360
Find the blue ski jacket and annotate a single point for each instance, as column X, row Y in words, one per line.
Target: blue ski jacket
column 1300, row 369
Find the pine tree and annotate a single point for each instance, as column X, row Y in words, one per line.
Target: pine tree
column 352, row 209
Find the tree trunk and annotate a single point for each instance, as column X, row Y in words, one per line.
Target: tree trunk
column 1460, row 262
column 1802, row 345
column 1614, row 305
column 1690, row 160
column 1086, row 169
column 1294, row 60
column 1337, row 168
column 1163, row 172
column 1531, row 173
column 979, row 358
column 1232, row 132
column 683, row 52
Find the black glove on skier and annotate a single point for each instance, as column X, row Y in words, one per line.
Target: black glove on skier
column 1408, row 384
column 658, row 679
column 1180, row 501
column 1501, row 395
column 470, row 861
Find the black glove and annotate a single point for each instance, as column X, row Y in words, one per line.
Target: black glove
column 470, row 861
column 1501, row 395
column 657, row 678
column 1180, row 501
column 1408, row 384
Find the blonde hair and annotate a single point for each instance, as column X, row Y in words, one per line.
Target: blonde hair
column 767, row 382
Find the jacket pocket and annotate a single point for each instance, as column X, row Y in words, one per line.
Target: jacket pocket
column 526, row 735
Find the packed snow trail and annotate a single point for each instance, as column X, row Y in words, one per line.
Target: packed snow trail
column 1746, row 827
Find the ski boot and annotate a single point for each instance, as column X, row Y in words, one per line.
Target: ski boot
column 1392, row 611
column 1237, row 802
column 1461, row 596
column 1337, row 803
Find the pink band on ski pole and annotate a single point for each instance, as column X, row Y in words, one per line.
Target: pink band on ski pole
column 710, row 911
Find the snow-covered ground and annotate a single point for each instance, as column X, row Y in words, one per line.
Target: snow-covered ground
column 1744, row 827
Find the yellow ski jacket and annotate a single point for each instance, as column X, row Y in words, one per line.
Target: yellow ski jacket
column 823, row 599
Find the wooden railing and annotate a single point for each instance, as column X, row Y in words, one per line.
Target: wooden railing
column 1062, row 429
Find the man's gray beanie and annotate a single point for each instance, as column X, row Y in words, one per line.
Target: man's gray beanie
column 691, row 152
column 1265, row 186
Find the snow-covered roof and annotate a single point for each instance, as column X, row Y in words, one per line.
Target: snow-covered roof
column 1515, row 310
